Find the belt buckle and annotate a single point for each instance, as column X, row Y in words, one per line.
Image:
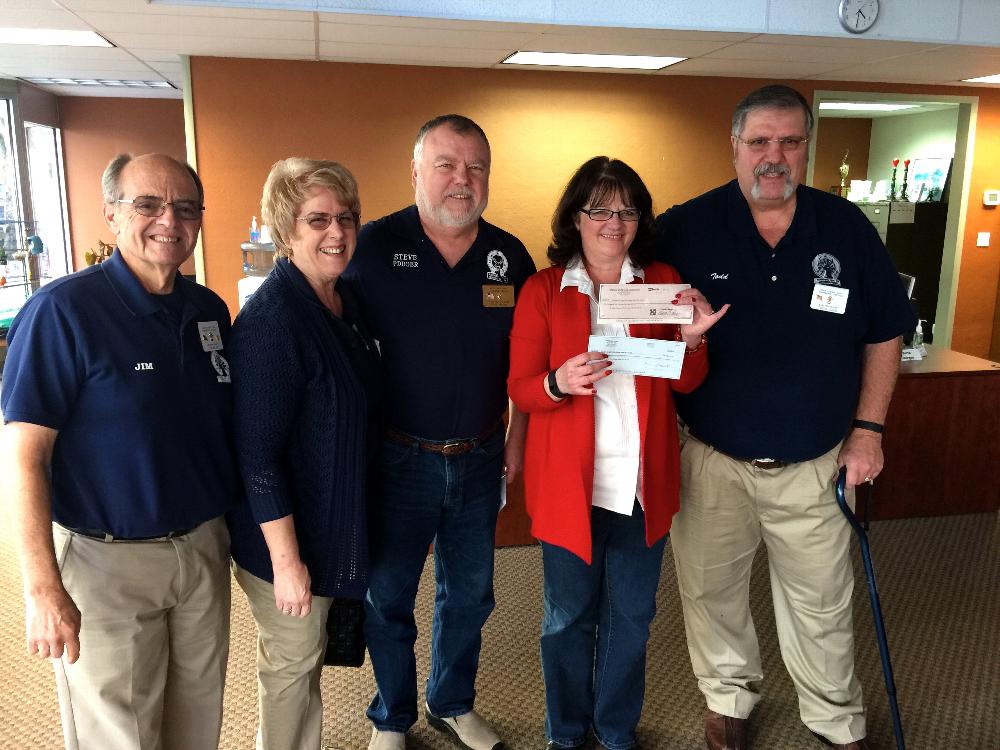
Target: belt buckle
column 766, row 463
column 454, row 449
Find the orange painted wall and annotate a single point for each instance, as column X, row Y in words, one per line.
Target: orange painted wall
column 834, row 135
column 542, row 125
column 95, row 130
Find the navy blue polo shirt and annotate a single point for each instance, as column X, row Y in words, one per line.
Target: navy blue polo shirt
column 445, row 353
column 143, row 412
column 783, row 378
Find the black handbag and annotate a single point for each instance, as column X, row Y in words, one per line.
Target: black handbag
column 345, row 631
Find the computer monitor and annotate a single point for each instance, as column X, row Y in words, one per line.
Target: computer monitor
column 908, row 283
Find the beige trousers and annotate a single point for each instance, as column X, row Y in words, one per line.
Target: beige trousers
column 154, row 640
column 727, row 508
column 289, row 665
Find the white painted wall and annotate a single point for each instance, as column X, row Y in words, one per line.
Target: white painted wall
column 927, row 135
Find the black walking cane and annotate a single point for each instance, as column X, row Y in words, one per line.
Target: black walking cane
column 883, row 643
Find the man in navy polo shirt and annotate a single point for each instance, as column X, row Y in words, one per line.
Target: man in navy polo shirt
column 802, row 371
column 439, row 285
column 116, row 398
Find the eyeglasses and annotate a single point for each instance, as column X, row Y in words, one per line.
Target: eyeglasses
column 154, row 207
column 788, row 143
column 603, row 214
column 321, row 222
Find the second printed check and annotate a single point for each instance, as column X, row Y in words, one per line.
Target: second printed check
column 642, row 303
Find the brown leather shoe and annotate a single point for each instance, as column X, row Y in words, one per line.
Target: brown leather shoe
column 725, row 732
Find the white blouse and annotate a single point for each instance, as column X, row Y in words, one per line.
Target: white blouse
column 617, row 480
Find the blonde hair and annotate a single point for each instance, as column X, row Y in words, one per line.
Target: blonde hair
column 288, row 186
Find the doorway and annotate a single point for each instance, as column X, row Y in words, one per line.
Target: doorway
column 886, row 126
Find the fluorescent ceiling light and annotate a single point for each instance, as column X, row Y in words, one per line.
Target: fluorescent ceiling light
column 995, row 78
column 577, row 60
column 866, row 106
column 53, row 37
column 114, row 82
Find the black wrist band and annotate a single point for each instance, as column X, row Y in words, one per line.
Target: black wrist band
column 873, row 426
column 554, row 386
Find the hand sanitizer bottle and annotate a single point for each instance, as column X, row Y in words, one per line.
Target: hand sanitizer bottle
column 918, row 335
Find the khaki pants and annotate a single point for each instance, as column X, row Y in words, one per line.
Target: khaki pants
column 727, row 508
column 289, row 665
column 154, row 640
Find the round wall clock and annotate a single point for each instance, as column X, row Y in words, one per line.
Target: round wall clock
column 857, row 16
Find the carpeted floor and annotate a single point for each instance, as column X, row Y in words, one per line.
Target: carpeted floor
column 940, row 585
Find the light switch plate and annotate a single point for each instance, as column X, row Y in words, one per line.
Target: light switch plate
column 991, row 197
column 983, row 239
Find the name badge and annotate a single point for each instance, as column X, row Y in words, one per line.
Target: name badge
column 210, row 335
column 498, row 295
column 829, row 298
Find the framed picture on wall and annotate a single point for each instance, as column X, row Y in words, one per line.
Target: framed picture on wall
column 929, row 180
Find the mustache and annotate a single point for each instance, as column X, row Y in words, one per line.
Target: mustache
column 769, row 169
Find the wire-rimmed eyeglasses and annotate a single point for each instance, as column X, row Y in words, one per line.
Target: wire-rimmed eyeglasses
column 154, row 207
column 788, row 143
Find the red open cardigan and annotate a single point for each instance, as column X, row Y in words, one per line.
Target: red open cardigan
column 550, row 326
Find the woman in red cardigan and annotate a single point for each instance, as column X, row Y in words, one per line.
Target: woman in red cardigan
column 601, row 458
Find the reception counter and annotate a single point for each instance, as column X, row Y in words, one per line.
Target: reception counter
column 942, row 438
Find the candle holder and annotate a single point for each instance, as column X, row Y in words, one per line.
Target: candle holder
column 892, row 182
column 906, row 172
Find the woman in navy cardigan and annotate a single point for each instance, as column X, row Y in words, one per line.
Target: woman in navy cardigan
column 305, row 377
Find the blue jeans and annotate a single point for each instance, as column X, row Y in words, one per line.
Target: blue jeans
column 595, row 629
column 451, row 501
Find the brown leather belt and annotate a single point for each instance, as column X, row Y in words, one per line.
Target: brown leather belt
column 443, row 447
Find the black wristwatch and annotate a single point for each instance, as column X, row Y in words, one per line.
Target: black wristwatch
column 861, row 424
column 554, row 386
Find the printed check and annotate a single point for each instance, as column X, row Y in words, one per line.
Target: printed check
column 634, row 356
column 642, row 303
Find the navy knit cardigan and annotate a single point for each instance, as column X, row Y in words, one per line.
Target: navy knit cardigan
column 300, row 421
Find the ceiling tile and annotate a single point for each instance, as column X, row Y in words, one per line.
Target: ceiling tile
column 40, row 18
column 422, row 37
column 746, row 68
column 215, row 46
column 406, row 55
column 117, row 24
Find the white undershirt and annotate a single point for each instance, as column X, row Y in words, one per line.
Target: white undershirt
column 617, row 479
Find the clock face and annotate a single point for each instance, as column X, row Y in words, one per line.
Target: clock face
column 857, row 16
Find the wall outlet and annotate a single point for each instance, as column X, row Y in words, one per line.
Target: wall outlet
column 983, row 239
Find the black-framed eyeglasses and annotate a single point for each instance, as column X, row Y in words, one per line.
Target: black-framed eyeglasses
column 154, row 207
column 788, row 143
column 321, row 221
column 603, row 214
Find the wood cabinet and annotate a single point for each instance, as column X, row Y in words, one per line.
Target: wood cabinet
column 942, row 439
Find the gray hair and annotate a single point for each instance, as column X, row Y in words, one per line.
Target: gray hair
column 458, row 123
column 775, row 96
column 111, row 180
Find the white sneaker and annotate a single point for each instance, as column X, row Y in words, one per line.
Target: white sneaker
column 470, row 730
column 382, row 740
